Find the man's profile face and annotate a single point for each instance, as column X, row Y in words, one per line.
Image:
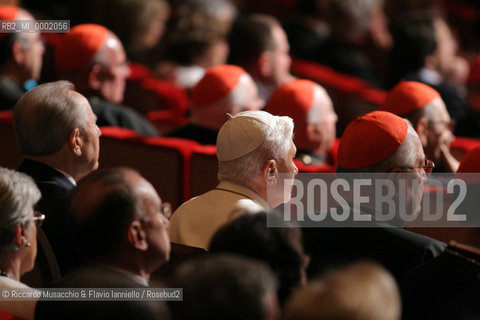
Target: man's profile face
column 439, row 134
column 90, row 137
column 33, row 48
column 322, row 121
column 155, row 222
column 281, row 60
column 114, row 71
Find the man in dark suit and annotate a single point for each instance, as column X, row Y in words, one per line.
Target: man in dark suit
column 448, row 286
column 374, row 143
column 119, row 225
column 20, row 58
column 93, row 59
column 56, row 132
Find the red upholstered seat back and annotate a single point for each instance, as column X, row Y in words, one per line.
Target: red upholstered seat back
column 350, row 95
column 162, row 161
column 10, row 156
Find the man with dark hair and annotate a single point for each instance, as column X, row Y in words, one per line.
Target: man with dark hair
column 279, row 247
column 118, row 223
column 20, row 58
column 56, row 131
column 225, row 287
column 260, row 46
column 424, row 50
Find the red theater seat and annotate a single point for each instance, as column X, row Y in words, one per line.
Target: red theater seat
column 461, row 145
column 162, row 161
column 350, row 95
column 203, row 170
column 10, row 156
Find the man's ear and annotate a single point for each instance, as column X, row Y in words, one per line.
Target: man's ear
column 95, row 77
column 264, row 63
column 270, row 172
column 18, row 54
column 137, row 236
column 422, row 129
column 75, row 142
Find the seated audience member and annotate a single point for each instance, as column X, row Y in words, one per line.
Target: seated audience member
column 140, row 24
column 18, row 237
column 447, row 287
column 378, row 142
column 426, row 111
column 280, row 247
column 225, row 287
column 260, row 46
column 223, row 90
column 307, row 28
column 119, row 226
column 56, row 131
column 311, row 109
column 253, row 148
column 93, row 59
column 359, row 40
column 424, row 50
column 196, row 40
column 20, row 58
column 363, row 290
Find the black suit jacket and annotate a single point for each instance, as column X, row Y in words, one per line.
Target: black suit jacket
column 99, row 276
column 447, row 287
column 56, row 190
column 110, row 114
column 398, row 250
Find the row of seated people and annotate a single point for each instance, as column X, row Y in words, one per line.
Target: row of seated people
column 253, row 149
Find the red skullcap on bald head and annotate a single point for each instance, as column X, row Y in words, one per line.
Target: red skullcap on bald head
column 370, row 139
column 217, row 82
column 293, row 99
column 408, row 96
column 78, row 47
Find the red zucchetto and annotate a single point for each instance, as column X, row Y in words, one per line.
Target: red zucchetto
column 78, row 47
column 216, row 84
column 370, row 139
column 408, row 96
column 293, row 99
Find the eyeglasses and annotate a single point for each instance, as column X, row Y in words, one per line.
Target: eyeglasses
column 449, row 124
column 428, row 166
column 38, row 218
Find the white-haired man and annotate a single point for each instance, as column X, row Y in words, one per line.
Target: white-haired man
column 57, row 133
column 253, row 148
column 224, row 89
column 311, row 109
column 424, row 108
column 378, row 146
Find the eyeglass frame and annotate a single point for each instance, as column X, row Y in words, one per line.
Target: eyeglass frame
column 428, row 167
column 38, row 218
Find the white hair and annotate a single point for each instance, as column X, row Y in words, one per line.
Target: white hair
column 45, row 116
column 403, row 156
column 249, row 167
column 18, row 195
column 240, row 96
